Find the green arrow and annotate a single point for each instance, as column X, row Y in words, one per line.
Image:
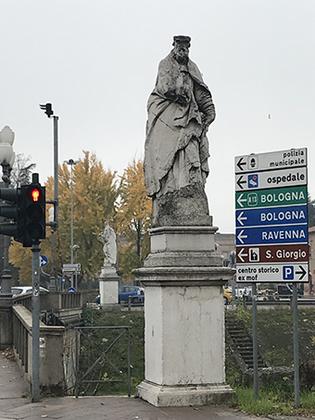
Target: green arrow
column 273, row 197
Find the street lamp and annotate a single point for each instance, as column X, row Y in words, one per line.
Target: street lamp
column 7, row 157
column 71, row 163
column 75, row 250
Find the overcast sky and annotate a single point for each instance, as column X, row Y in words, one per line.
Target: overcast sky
column 96, row 61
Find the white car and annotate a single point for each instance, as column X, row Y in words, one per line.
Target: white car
column 26, row 290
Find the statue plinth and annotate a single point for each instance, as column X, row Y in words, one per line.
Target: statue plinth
column 184, row 318
column 109, row 285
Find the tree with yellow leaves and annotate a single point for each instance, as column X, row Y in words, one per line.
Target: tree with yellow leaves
column 95, row 193
column 133, row 218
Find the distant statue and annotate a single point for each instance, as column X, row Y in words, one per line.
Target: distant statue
column 108, row 238
column 180, row 111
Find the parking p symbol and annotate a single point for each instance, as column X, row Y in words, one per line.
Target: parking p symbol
column 288, row 272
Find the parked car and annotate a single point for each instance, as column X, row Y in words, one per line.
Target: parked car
column 134, row 293
column 266, row 295
column 285, row 291
column 26, row 290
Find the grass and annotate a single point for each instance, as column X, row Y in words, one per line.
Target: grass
column 273, row 401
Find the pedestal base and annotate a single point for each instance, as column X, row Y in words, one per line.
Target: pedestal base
column 181, row 396
column 109, row 282
column 184, row 318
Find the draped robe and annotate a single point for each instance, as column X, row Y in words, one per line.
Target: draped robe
column 180, row 109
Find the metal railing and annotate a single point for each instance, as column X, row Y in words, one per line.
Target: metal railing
column 51, row 301
column 96, row 364
column 70, row 300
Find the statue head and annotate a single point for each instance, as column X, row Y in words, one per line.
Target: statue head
column 181, row 45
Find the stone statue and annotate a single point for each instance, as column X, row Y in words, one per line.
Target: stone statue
column 108, row 238
column 180, row 110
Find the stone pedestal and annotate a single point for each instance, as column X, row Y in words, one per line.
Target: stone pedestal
column 184, row 318
column 109, row 284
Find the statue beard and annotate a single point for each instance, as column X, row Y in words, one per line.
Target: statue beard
column 181, row 59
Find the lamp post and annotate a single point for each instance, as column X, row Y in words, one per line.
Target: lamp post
column 7, row 157
column 75, row 250
column 71, row 163
column 53, row 217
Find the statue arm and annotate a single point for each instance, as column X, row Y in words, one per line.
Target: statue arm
column 206, row 106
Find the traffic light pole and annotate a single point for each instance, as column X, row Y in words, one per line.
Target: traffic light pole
column 35, row 322
column 54, row 235
column 56, row 170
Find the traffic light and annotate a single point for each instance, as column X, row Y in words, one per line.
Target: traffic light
column 10, row 210
column 25, row 207
column 32, row 211
column 48, row 109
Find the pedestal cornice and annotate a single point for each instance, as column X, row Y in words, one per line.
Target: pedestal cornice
column 184, row 276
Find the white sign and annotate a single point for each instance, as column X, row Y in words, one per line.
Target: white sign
column 270, row 161
column 71, row 268
column 271, row 179
column 272, row 273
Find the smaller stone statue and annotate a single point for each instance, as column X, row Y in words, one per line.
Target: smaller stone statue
column 108, row 238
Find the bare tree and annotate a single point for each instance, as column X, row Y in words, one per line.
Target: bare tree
column 22, row 170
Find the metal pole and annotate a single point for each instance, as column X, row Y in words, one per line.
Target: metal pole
column 71, row 221
column 296, row 357
column 129, row 364
column 35, row 322
column 56, row 170
column 255, row 346
column 56, row 201
column 77, row 362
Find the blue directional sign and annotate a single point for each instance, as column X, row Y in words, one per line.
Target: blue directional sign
column 43, row 260
column 272, row 235
column 271, row 216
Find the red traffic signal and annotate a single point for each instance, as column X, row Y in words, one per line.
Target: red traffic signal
column 35, row 194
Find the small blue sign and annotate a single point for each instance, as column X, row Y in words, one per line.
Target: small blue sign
column 252, row 181
column 43, row 260
column 288, row 272
column 271, row 216
column 272, row 235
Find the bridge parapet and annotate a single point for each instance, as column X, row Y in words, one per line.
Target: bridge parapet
column 57, row 351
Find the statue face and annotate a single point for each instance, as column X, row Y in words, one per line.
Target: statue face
column 181, row 50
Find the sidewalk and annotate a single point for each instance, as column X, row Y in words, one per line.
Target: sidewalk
column 15, row 404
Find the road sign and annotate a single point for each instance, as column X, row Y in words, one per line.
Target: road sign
column 271, row 217
column 272, row 235
column 272, row 273
column 272, row 160
column 271, row 179
column 43, row 260
column 71, row 268
column 271, row 198
column 272, row 254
